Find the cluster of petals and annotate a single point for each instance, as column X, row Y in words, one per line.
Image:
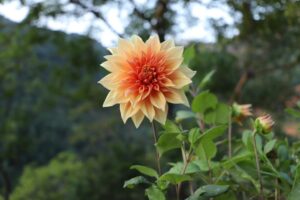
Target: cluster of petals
column 241, row 111
column 144, row 77
column 266, row 123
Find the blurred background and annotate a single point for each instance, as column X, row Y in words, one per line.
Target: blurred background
column 56, row 140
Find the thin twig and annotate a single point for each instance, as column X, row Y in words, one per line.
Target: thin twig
column 96, row 14
column 229, row 136
column 261, row 189
column 186, row 161
column 157, row 153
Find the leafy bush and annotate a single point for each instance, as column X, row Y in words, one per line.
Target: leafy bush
column 63, row 178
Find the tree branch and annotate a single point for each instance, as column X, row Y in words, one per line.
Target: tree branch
column 139, row 13
column 96, row 14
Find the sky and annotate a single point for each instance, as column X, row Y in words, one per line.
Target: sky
column 201, row 31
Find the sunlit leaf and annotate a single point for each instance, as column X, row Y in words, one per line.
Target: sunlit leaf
column 208, row 191
column 206, row 149
column 204, row 101
column 175, row 178
column 269, row 146
column 131, row 183
column 206, row 79
column 194, row 135
column 184, row 114
column 153, row 193
column 178, row 167
column 189, row 54
column 167, row 142
column 145, row 170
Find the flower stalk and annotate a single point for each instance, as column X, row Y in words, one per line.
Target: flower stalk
column 154, row 131
column 261, row 189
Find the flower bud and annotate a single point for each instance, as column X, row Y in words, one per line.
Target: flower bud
column 264, row 124
column 240, row 112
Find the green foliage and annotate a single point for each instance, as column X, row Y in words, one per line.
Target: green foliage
column 183, row 114
column 208, row 191
column 168, row 140
column 63, row 178
column 49, row 105
column 207, row 78
column 294, row 194
column 189, row 54
column 204, row 101
column 154, row 193
column 131, row 183
column 145, row 170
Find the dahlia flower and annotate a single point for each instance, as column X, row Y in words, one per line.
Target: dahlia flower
column 144, row 77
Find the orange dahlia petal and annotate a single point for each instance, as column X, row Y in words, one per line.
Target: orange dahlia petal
column 179, row 79
column 158, row 100
column 138, row 118
column 161, row 115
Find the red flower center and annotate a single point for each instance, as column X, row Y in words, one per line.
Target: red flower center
column 147, row 75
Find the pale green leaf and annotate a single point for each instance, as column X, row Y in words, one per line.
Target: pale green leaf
column 131, row 183
column 204, row 101
column 145, row 170
column 167, row 142
column 269, row 146
column 175, row 178
column 184, row 114
column 208, row 191
column 206, row 79
column 153, row 193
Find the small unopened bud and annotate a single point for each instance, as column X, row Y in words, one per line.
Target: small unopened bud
column 264, row 124
column 240, row 112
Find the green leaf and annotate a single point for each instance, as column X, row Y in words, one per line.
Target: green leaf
column 191, row 168
column 223, row 111
column 206, row 150
column 184, row 114
column 175, row 178
column 206, row 79
column 227, row 164
column 194, row 135
column 246, row 138
column 203, row 165
column 208, row 191
column 214, row 132
column 220, row 115
column 293, row 112
column 145, row 170
column 269, row 146
column 283, row 152
column 171, row 127
column 189, row 54
column 167, row 142
column 153, row 193
column 295, row 192
column 131, row 183
column 229, row 195
column 204, row 101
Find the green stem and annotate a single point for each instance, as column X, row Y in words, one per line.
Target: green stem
column 157, row 153
column 186, row 161
column 276, row 189
column 261, row 189
column 177, row 192
column 229, row 136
